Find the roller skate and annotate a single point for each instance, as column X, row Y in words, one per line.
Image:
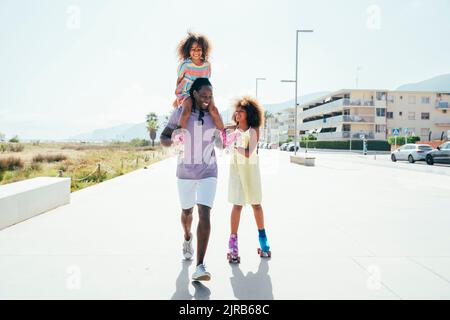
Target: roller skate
column 233, row 253
column 264, row 249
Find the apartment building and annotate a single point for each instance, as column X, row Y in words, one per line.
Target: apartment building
column 353, row 113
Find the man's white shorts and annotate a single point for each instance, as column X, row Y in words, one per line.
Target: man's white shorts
column 192, row 192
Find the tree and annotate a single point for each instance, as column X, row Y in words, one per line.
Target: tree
column 152, row 126
column 14, row 139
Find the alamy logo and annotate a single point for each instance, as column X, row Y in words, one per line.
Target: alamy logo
column 73, row 281
column 73, row 21
column 373, row 21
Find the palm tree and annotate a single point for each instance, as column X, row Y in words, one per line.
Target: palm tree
column 152, row 126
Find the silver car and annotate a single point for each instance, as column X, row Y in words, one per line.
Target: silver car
column 411, row 152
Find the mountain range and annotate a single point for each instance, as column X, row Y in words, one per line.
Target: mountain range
column 127, row 132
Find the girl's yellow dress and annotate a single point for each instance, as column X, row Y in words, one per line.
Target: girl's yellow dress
column 244, row 185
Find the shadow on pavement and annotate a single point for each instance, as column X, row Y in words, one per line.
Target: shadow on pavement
column 182, row 285
column 253, row 286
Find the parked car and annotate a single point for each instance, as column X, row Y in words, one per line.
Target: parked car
column 439, row 155
column 283, row 146
column 411, row 152
column 273, row 146
column 291, row 146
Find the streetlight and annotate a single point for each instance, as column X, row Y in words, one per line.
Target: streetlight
column 291, row 81
column 258, row 79
column 296, row 82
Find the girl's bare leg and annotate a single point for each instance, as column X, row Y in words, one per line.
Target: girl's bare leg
column 235, row 218
column 187, row 108
column 259, row 215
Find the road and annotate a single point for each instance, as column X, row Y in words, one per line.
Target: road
column 349, row 228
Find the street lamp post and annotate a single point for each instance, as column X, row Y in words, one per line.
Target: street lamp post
column 256, row 96
column 296, row 83
column 292, row 81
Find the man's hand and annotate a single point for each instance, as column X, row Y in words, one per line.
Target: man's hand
column 166, row 137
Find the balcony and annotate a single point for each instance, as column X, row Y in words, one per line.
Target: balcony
column 442, row 122
column 336, row 121
column 442, row 104
column 355, row 118
column 335, row 106
column 345, row 135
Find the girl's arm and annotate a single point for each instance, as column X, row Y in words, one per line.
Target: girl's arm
column 252, row 145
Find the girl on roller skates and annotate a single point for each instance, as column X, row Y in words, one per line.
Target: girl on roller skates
column 245, row 180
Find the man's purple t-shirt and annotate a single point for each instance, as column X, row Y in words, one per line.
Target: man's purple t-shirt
column 199, row 159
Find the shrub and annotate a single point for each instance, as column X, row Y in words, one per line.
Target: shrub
column 309, row 137
column 373, row 145
column 10, row 164
column 35, row 166
column 49, row 158
column 401, row 140
column 14, row 139
column 15, row 147
column 139, row 143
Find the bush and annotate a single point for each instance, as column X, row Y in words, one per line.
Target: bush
column 15, row 147
column 10, row 164
column 35, row 166
column 309, row 137
column 139, row 143
column 372, row 145
column 14, row 139
column 49, row 158
column 11, row 147
column 401, row 140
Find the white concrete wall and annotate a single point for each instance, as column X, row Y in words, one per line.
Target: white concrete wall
column 23, row 200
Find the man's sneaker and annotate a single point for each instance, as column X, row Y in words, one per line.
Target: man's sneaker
column 201, row 274
column 188, row 250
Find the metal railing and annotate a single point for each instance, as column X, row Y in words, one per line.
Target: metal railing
column 335, row 106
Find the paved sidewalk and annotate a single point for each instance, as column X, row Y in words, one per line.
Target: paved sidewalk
column 345, row 229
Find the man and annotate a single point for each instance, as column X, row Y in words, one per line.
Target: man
column 197, row 169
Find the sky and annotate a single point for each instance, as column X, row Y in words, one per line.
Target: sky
column 68, row 67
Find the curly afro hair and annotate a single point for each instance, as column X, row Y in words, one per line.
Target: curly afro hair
column 254, row 110
column 184, row 47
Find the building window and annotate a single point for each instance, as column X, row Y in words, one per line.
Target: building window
column 380, row 128
column 411, row 116
column 425, row 116
column 381, row 96
column 381, row 112
column 425, row 100
column 390, row 115
column 412, row 99
column 400, row 113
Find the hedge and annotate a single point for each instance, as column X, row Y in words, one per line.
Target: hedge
column 401, row 140
column 372, row 145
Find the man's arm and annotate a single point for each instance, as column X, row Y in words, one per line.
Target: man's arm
column 166, row 137
column 166, row 134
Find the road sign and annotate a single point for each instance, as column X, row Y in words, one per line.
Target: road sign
column 405, row 131
column 396, row 132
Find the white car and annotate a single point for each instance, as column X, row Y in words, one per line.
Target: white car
column 411, row 152
column 291, row 146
